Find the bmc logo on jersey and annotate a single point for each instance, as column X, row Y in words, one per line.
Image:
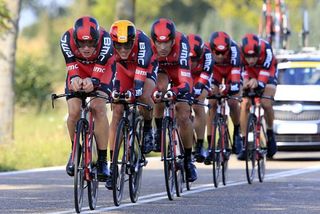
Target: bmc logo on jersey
column 105, row 48
column 141, row 53
column 98, row 69
column 234, row 55
column 72, row 67
column 268, row 60
column 185, row 74
column 184, row 54
column 65, row 47
column 140, row 72
column 207, row 62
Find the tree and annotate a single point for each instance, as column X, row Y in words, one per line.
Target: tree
column 7, row 62
column 125, row 9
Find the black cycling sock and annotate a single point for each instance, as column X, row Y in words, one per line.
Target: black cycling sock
column 199, row 142
column 187, row 154
column 209, row 140
column 111, row 155
column 158, row 122
column 236, row 129
column 147, row 125
column 102, row 155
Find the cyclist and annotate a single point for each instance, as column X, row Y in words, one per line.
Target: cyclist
column 90, row 66
column 227, row 69
column 260, row 74
column 201, row 71
column 136, row 72
column 172, row 50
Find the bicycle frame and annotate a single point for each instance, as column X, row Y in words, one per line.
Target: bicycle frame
column 255, row 152
column 130, row 161
column 84, row 171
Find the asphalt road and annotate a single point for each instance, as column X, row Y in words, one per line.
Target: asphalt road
column 292, row 185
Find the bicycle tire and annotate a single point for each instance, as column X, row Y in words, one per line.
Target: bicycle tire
column 168, row 159
column 262, row 155
column 136, row 165
column 93, row 184
column 226, row 154
column 250, row 148
column 119, row 162
column 216, row 151
column 179, row 163
column 78, row 181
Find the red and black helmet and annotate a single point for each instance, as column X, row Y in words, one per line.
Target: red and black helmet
column 86, row 28
column 250, row 45
column 220, row 42
column 196, row 46
column 163, row 30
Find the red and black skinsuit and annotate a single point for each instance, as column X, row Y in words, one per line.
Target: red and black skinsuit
column 229, row 70
column 177, row 65
column 100, row 67
column 140, row 64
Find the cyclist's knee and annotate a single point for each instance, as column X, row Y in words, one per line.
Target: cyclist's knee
column 266, row 104
column 73, row 115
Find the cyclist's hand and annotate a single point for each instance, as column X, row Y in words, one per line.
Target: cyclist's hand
column 129, row 96
column 223, row 89
column 87, row 85
column 260, row 88
column 75, row 83
column 115, row 95
column 157, row 96
column 251, row 84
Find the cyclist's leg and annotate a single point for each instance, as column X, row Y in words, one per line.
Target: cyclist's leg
column 162, row 85
column 146, row 97
column 244, row 112
column 270, row 90
column 117, row 110
column 199, row 124
column 234, row 106
column 73, row 117
column 101, row 131
column 186, row 131
column 125, row 84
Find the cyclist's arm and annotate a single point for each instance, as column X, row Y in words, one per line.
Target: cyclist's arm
column 105, row 55
column 207, row 67
column 143, row 63
column 184, row 73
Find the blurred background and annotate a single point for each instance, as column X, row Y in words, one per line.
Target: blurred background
column 39, row 136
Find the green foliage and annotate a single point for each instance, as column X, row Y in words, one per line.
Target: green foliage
column 41, row 140
column 4, row 17
column 33, row 82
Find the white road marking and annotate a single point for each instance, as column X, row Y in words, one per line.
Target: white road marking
column 195, row 189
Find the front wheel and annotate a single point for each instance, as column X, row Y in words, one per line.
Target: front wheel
column 216, row 151
column 179, row 163
column 78, row 182
column 119, row 162
column 93, row 184
column 136, row 162
column 168, row 157
column 250, row 149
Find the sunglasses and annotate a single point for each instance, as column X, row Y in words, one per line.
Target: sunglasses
column 220, row 52
column 250, row 55
column 88, row 43
column 194, row 59
column 126, row 46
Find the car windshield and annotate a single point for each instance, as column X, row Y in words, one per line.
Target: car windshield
column 299, row 76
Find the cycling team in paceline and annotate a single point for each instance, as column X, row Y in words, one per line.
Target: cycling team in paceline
column 125, row 59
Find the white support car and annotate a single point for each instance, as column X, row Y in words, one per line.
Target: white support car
column 297, row 102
